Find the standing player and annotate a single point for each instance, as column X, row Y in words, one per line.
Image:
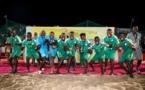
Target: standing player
column 112, row 45
column 100, row 54
column 71, row 43
column 84, row 46
column 31, row 47
column 61, row 51
column 16, row 42
column 135, row 36
column 127, row 48
column 52, row 45
column 43, row 49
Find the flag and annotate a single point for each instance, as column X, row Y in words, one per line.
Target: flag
column 5, row 16
column 132, row 20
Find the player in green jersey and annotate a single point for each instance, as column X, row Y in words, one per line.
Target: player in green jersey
column 61, row 51
column 71, row 43
column 112, row 45
column 31, row 47
column 15, row 41
column 84, row 46
column 127, row 47
column 100, row 53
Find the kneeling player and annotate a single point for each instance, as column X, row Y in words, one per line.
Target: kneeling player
column 127, row 54
column 99, row 56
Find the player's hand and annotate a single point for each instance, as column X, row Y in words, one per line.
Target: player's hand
column 133, row 48
column 37, row 47
column 54, row 46
column 46, row 41
column 103, row 45
column 65, row 48
column 89, row 51
column 22, row 48
column 70, row 48
column 110, row 46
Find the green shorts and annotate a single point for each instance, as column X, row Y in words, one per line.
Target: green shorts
column 62, row 54
column 110, row 55
column 34, row 54
column 15, row 53
column 85, row 56
column 126, row 56
column 71, row 52
column 98, row 57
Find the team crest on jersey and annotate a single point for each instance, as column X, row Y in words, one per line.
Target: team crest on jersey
column 125, row 44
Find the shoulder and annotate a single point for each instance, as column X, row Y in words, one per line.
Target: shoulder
column 11, row 37
column 39, row 37
column 59, row 40
column 128, row 40
column 33, row 40
column 24, row 41
column 138, row 33
column 114, row 36
column 55, row 38
column 18, row 37
column 88, row 41
column 104, row 37
column 67, row 40
column 129, row 33
column 47, row 37
column 76, row 39
column 93, row 45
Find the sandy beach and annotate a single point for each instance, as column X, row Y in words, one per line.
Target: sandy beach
column 70, row 82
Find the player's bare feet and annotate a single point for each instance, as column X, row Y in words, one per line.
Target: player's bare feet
column 58, row 72
column 111, row 73
column 74, row 69
column 28, row 71
column 92, row 70
column 11, row 72
column 102, row 74
column 131, row 75
column 137, row 70
column 15, row 71
column 105, row 69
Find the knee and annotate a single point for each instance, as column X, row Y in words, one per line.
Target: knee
column 15, row 57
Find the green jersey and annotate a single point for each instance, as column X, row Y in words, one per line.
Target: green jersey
column 61, row 44
column 30, row 45
column 113, row 41
column 14, row 41
column 71, row 43
column 84, row 46
column 98, row 49
column 125, row 45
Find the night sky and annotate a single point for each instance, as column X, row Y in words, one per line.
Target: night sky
column 42, row 13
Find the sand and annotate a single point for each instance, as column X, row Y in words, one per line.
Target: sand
column 70, row 82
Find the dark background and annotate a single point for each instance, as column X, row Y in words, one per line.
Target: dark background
column 46, row 13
